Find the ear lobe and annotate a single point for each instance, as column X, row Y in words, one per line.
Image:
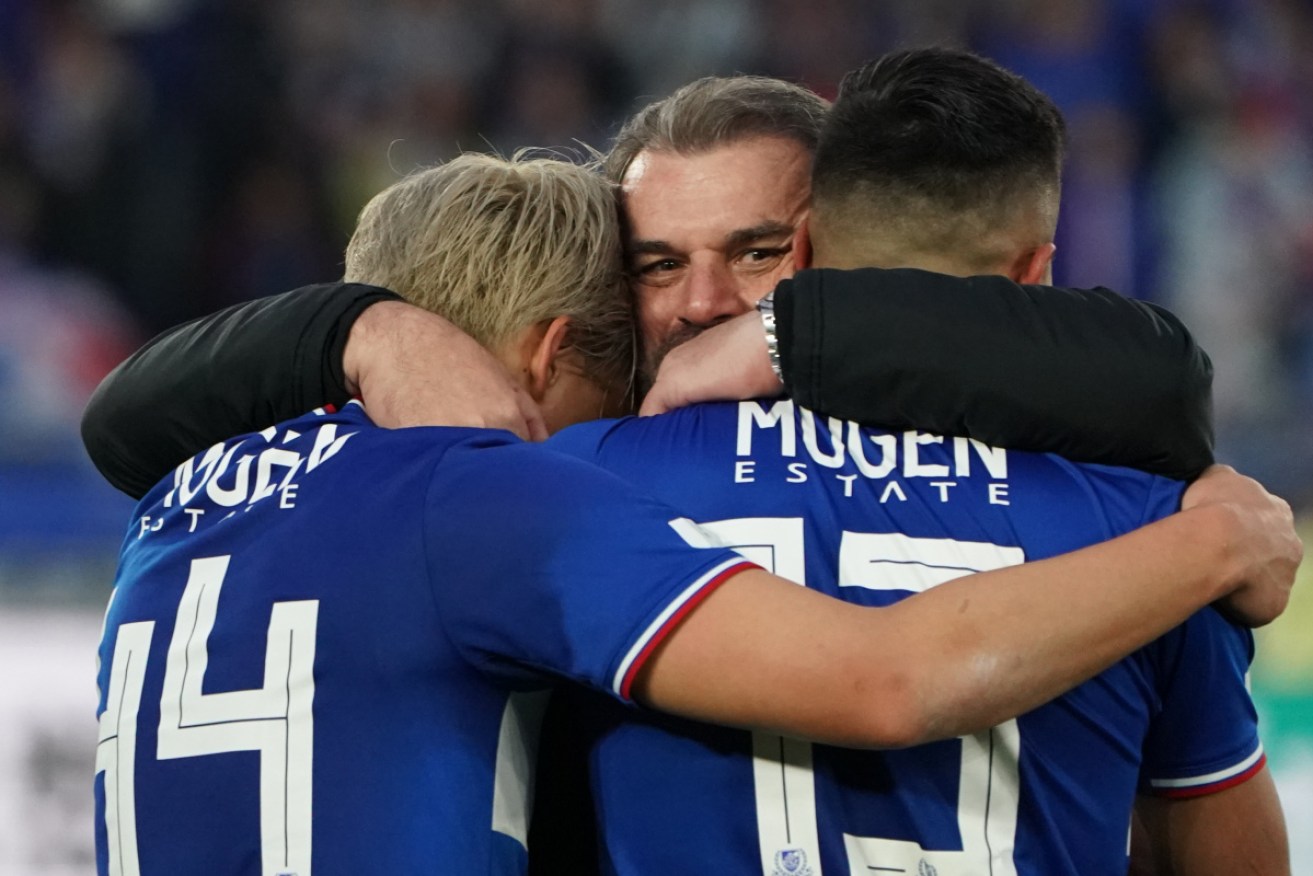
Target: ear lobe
column 1035, row 267
column 543, row 363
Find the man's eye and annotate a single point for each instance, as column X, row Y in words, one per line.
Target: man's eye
column 764, row 254
column 657, row 274
column 656, row 271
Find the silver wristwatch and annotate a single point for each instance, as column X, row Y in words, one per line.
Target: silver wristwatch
column 766, row 307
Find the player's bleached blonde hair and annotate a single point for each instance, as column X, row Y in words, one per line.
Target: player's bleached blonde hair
column 495, row 245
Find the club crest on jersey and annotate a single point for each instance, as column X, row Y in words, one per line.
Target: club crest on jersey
column 925, row 868
column 791, row 862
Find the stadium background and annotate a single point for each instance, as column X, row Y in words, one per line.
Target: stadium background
column 162, row 158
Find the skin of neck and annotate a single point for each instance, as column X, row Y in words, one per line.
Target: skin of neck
column 1021, row 249
column 554, row 375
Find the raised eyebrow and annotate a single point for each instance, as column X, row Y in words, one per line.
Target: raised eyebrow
column 649, row 247
column 756, row 233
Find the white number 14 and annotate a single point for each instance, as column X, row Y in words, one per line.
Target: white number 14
column 275, row 720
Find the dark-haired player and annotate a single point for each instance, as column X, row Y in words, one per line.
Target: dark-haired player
column 930, row 159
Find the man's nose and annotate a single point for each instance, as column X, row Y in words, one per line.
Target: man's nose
column 713, row 295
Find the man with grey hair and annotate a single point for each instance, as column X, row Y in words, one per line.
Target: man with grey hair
column 714, row 182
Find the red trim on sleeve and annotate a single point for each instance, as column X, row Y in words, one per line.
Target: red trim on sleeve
column 1213, row 788
column 673, row 621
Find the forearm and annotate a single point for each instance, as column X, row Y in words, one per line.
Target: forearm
column 1024, row 635
column 1084, row 373
column 238, row 370
column 956, row 659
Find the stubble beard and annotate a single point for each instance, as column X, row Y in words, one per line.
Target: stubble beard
column 652, row 358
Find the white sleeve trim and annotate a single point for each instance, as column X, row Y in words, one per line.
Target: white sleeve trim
column 617, row 682
column 1211, row 778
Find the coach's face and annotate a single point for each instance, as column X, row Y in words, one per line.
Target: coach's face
column 710, row 234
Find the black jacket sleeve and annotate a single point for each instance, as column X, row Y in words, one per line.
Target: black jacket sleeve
column 238, row 370
column 1088, row 374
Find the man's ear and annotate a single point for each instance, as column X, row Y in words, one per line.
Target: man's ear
column 1034, row 267
column 802, row 245
column 543, row 364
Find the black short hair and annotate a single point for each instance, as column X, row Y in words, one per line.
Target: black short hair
column 941, row 125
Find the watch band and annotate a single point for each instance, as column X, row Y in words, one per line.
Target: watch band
column 766, row 307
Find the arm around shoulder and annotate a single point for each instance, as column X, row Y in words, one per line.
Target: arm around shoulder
column 235, row 371
column 1089, row 374
column 970, row 653
column 953, row 660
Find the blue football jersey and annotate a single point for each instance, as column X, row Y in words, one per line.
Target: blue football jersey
column 327, row 645
column 872, row 517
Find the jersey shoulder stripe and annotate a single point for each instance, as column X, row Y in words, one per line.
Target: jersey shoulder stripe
column 665, row 622
column 1211, row 783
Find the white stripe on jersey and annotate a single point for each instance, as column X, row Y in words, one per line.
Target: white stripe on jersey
column 1219, row 776
column 617, row 683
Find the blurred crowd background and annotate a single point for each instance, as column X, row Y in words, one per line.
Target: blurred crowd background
column 160, row 159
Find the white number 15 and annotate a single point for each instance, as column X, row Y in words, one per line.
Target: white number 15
column 989, row 784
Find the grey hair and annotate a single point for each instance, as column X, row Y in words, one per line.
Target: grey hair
column 495, row 245
column 716, row 111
